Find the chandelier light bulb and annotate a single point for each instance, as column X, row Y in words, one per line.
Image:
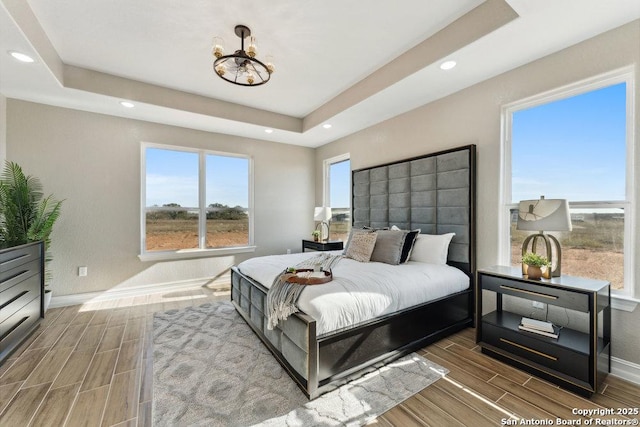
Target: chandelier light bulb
column 252, row 51
column 269, row 64
column 221, row 69
column 250, row 78
column 218, row 47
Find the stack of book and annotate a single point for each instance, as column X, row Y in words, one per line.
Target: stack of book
column 540, row 327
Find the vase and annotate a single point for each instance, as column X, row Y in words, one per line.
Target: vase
column 534, row 273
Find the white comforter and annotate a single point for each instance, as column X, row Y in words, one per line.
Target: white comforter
column 361, row 291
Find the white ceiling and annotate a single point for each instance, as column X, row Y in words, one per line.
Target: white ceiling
column 336, row 61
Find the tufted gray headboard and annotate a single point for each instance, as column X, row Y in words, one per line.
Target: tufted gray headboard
column 435, row 192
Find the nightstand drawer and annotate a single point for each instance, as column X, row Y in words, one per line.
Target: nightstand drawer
column 332, row 245
column 547, row 294
column 530, row 348
column 316, row 246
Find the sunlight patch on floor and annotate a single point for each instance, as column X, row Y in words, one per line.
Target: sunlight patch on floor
column 477, row 396
column 194, row 295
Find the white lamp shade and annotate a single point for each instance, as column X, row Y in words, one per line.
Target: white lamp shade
column 322, row 213
column 544, row 214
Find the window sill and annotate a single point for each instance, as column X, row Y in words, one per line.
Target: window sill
column 193, row 253
column 624, row 303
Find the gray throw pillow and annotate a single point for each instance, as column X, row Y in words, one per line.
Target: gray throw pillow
column 389, row 246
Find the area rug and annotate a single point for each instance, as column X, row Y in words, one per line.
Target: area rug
column 210, row 369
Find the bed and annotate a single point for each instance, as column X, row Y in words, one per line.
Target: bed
column 434, row 193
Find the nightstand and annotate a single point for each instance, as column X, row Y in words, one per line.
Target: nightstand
column 576, row 360
column 331, row 245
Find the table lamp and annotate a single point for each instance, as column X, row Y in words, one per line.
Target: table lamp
column 322, row 214
column 549, row 215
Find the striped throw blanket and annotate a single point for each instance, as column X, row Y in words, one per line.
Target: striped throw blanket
column 283, row 296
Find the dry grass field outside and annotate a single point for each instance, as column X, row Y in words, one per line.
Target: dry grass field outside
column 339, row 230
column 175, row 234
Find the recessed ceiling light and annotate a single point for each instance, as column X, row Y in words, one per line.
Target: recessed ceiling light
column 447, row 65
column 127, row 104
column 327, row 125
column 21, row 56
column 268, row 130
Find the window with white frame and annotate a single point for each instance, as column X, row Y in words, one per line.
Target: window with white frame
column 576, row 143
column 194, row 199
column 337, row 195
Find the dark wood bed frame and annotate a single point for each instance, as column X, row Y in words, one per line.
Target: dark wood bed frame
column 321, row 363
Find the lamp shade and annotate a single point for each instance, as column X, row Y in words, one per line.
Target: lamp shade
column 322, row 213
column 544, row 214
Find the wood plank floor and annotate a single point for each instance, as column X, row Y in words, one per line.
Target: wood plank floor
column 91, row 365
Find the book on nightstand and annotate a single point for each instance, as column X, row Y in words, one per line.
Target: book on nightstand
column 539, row 327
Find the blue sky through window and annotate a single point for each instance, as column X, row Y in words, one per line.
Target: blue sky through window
column 572, row 149
column 227, row 180
column 340, row 184
column 172, row 177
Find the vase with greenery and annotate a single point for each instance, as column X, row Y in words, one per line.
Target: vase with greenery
column 316, row 235
column 534, row 264
column 25, row 214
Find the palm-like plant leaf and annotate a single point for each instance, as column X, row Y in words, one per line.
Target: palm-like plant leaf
column 45, row 215
column 18, row 197
column 24, row 215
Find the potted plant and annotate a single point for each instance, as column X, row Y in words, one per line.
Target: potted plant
column 26, row 215
column 316, row 235
column 534, row 264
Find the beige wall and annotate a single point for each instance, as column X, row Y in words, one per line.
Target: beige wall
column 472, row 116
column 93, row 162
column 3, row 130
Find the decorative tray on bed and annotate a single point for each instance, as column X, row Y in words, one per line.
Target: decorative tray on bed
column 307, row 276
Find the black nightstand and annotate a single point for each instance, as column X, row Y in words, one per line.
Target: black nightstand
column 579, row 358
column 331, row 245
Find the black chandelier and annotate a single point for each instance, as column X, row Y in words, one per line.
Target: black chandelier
column 241, row 67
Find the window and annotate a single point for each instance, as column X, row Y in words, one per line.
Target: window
column 337, row 171
column 194, row 200
column 576, row 143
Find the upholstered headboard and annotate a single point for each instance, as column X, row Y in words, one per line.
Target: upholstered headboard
column 435, row 193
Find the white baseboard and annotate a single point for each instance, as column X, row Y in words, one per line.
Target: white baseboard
column 111, row 294
column 626, row 370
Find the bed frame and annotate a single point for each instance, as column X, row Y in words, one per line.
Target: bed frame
column 435, row 193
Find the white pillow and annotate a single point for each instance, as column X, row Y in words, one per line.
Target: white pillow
column 431, row 248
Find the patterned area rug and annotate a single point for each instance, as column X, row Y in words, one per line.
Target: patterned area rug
column 210, row 369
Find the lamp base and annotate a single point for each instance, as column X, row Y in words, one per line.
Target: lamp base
column 554, row 270
column 321, row 225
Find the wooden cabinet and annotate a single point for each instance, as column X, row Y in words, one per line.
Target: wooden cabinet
column 576, row 360
column 21, row 294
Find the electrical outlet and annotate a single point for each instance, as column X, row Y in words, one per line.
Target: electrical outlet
column 537, row 304
column 82, row 271
column 288, row 251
